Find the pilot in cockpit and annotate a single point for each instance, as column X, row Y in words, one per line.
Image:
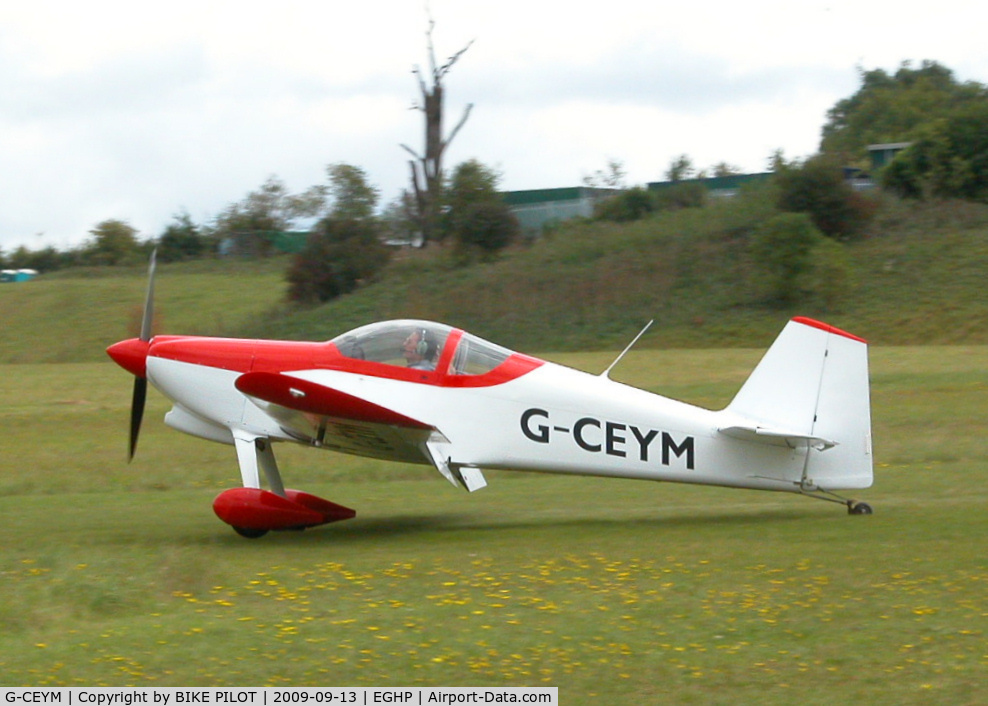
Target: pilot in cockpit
column 419, row 350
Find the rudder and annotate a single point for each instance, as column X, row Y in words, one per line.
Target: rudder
column 811, row 391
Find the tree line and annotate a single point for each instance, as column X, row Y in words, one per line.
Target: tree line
column 941, row 127
column 347, row 236
column 943, row 123
column 345, row 245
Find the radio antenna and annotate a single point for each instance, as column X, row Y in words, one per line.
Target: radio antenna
column 606, row 373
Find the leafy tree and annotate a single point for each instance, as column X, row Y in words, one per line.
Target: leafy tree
column 268, row 208
column 271, row 208
column 478, row 219
column 777, row 161
column 346, row 247
column 340, row 255
column 353, row 197
column 48, row 259
column 680, row 168
column 472, row 181
column 19, row 258
column 114, row 242
column 817, row 187
column 891, row 107
column 182, row 241
column 724, row 169
column 948, row 157
column 782, row 249
column 612, row 177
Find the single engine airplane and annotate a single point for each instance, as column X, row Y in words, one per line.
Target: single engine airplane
column 422, row 392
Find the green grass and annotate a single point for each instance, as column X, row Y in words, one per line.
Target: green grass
column 615, row 591
column 72, row 316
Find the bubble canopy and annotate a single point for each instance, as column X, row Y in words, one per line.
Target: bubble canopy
column 422, row 345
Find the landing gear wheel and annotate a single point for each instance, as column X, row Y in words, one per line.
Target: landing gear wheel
column 250, row 533
column 859, row 509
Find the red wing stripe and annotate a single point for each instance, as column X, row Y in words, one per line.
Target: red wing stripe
column 313, row 398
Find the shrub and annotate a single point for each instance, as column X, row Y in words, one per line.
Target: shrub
column 817, row 187
column 628, row 205
column 638, row 202
column 477, row 218
column 484, row 228
column 691, row 194
column 782, row 249
column 338, row 256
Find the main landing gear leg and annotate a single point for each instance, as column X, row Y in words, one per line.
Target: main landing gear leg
column 252, row 511
column 265, row 457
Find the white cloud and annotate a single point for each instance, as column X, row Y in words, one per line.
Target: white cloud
column 114, row 109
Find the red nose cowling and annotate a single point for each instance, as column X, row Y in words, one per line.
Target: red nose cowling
column 131, row 355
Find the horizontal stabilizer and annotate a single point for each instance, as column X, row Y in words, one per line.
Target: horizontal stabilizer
column 777, row 437
column 313, row 398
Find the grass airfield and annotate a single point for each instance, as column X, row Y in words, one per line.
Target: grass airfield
column 614, row 591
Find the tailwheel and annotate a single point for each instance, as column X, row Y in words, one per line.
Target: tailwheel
column 250, row 533
column 854, row 508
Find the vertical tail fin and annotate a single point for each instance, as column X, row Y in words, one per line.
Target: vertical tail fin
column 811, row 390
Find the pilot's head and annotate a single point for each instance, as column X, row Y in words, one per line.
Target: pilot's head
column 419, row 347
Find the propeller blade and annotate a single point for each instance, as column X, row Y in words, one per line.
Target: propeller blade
column 148, row 319
column 137, row 412
column 141, row 383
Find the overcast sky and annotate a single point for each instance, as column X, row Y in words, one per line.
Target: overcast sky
column 138, row 110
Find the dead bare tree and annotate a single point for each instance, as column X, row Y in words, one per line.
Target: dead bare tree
column 427, row 168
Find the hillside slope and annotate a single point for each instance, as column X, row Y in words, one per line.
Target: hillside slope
column 73, row 315
column 919, row 278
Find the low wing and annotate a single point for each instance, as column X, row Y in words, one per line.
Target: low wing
column 337, row 420
column 343, row 422
column 313, row 398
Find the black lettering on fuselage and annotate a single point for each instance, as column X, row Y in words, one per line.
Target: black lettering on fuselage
column 668, row 444
column 541, row 432
column 614, row 439
column 611, row 438
column 644, row 440
column 578, row 434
